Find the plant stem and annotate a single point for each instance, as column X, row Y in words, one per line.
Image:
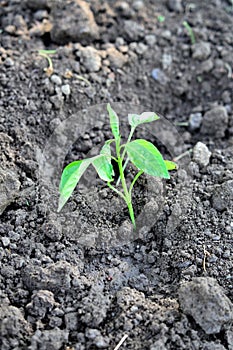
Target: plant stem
column 127, row 196
column 123, row 154
column 134, row 180
column 190, row 32
column 115, row 190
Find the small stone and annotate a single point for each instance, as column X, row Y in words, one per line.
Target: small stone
column 166, row 60
column 56, row 79
column 38, row 4
column 101, row 342
column 150, row 40
column 226, row 96
column 90, row 59
column 116, row 58
column 227, row 254
column 40, row 14
column 215, row 122
column 213, row 346
column 132, row 31
column 42, row 302
column 201, row 50
column 141, row 48
column 175, row 5
column 166, row 34
column 138, row 5
column 205, row 301
column 9, row 188
column 160, row 76
column 65, row 89
column 5, row 241
column 92, row 333
column 222, row 197
column 71, row 321
column 9, row 62
column 74, row 22
column 201, row 154
column 10, row 29
column 195, row 120
column 205, row 66
column 57, row 101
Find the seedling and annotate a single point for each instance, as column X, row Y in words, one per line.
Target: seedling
column 46, row 53
column 161, row 18
column 190, row 32
column 143, row 154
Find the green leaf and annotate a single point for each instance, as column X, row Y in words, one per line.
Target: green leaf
column 47, row 52
column 70, row 178
column 106, row 150
column 170, row 165
column 114, row 122
column 146, row 117
column 103, row 164
column 145, row 156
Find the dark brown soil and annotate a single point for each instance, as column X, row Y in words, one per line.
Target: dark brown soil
column 83, row 279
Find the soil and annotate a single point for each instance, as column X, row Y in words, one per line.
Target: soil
column 83, row 279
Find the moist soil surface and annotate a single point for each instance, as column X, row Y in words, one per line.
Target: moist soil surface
column 83, row 279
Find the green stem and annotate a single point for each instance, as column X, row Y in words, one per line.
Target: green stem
column 190, row 32
column 123, row 153
column 129, row 138
column 115, row 190
column 127, row 195
column 134, row 180
column 48, row 59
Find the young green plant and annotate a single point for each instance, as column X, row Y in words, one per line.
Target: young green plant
column 45, row 54
column 190, row 32
column 143, row 154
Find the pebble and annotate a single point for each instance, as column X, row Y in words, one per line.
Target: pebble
column 9, row 187
column 215, row 122
column 205, row 66
column 166, row 61
column 201, row 154
column 92, row 333
column 141, row 48
column 90, row 59
column 65, row 89
column 101, row 342
column 227, row 254
column 138, row 5
column 116, row 58
column 150, row 40
column 195, row 120
column 132, row 31
column 5, row 241
column 226, row 96
column 9, row 62
column 223, row 196
column 201, row 50
column 56, row 79
column 75, row 23
column 160, row 76
column 175, row 5
column 166, row 34
column 205, row 301
column 57, row 101
column 40, row 14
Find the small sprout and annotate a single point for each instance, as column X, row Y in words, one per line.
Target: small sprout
column 80, row 77
column 161, row 18
column 46, row 53
column 143, row 154
column 190, row 32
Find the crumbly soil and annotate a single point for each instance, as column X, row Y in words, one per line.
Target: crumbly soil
column 64, row 286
